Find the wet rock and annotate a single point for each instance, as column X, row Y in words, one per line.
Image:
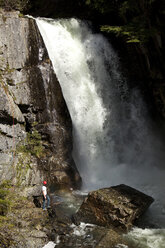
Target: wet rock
column 117, row 206
column 52, row 213
column 37, row 200
column 111, row 239
column 91, row 236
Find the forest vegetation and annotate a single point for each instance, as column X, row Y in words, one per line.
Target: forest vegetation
column 135, row 20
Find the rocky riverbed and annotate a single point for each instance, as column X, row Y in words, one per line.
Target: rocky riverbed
column 27, row 225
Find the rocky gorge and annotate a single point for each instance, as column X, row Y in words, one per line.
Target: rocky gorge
column 27, row 225
column 36, row 145
column 35, row 130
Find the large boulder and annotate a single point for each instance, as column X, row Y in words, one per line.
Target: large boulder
column 117, row 206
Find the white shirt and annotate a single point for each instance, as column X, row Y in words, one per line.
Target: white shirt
column 44, row 190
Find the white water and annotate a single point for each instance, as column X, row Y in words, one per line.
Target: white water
column 114, row 140
column 50, row 245
column 147, row 238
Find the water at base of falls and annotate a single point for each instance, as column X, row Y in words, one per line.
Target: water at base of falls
column 114, row 141
column 88, row 235
column 147, row 238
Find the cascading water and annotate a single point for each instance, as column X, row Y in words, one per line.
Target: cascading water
column 114, row 141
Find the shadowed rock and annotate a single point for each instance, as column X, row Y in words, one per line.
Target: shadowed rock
column 117, row 206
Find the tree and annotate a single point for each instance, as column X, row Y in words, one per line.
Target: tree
column 14, row 4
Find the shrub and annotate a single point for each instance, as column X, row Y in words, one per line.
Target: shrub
column 3, row 194
column 14, row 4
column 6, row 184
column 32, row 145
column 4, row 202
column 4, row 206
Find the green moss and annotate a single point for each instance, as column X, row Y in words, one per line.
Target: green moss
column 21, row 15
column 4, row 206
column 8, row 220
column 3, row 194
column 32, row 144
column 136, row 20
column 3, row 219
column 31, row 147
column 35, row 123
column 22, row 168
column 9, row 199
column 6, row 184
column 140, row 35
column 5, row 203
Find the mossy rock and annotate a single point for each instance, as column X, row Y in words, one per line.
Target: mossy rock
column 4, row 206
column 3, row 193
column 5, row 203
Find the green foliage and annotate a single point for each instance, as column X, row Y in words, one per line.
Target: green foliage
column 114, row 29
column 32, row 147
column 32, row 144
column 6, row 184
column 21, row 15
column 14, row 4
column 133, row 18
column 3, row 194
column 35, row 123
column 129, row 8
column 124, row 8
column 4, row 206
column 5, row 203
column 132, row 35
column 137, row 16
column 102, row 6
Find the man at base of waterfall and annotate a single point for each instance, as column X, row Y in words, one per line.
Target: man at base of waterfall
column 45, row 196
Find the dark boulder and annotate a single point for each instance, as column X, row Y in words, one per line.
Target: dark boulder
column 117, row 206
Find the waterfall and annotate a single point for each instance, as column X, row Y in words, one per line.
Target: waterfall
column 114, row 139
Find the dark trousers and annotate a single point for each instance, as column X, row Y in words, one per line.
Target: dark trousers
column 44, row 201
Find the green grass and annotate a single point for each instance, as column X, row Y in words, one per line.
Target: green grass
column 5, row 202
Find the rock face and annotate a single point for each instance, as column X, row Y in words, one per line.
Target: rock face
column 117, row 206
column 35, row 126
column 24, row 225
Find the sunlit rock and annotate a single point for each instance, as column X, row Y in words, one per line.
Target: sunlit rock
column 117, row 206
column 35, row 125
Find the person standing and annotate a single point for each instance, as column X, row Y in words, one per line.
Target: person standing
column 45, row 196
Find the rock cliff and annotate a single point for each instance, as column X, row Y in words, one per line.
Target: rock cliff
column 35, row 125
